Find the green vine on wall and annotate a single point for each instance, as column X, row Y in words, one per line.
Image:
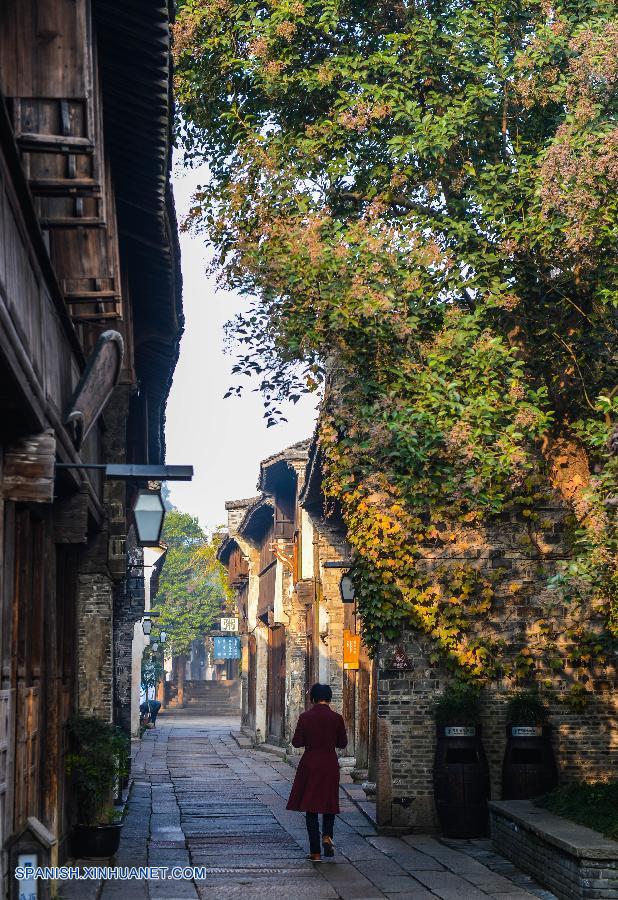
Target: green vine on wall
column 420, row 203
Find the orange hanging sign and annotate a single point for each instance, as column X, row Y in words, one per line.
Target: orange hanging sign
column 351, row 650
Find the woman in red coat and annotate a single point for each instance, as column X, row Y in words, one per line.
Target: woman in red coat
column 320, row 730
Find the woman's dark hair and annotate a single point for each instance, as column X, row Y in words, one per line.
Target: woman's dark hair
column 320, row 692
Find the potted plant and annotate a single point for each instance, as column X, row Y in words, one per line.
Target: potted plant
column 529, row 766
column 458, row 706
column 96, row 763
column 461, row 773
column 526, row 709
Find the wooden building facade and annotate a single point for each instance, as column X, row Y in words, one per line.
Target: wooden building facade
column 90, row 317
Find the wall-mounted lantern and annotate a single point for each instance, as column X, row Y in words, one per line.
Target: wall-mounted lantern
column 149, row 513
column 346, row 586
column 163, row 637
column 146, row 626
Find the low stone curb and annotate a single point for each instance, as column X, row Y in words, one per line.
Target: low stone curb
column 574, row 862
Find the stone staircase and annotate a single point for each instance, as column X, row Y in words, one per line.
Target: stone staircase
column 212, row 698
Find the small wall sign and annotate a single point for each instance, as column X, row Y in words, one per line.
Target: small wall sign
column 459, row 731
column 526, row 731
column 227, row 648
column 229, row 624
column 351, row 650
column 400, row 659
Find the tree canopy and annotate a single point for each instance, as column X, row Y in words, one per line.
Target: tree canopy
column 193, row 590
column 420, row 200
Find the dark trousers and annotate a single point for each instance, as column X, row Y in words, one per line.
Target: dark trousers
column 313, row 829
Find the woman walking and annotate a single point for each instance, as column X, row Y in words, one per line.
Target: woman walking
column 320, row 730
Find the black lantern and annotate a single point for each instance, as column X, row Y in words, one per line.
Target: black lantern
column 346, row 586
column 146, row 626
column 149, row 513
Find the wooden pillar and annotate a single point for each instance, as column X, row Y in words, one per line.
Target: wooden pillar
column 384, row 780
column 160, row 692
column 181, row 663
column 349, row 684
column 373, row 723
column 363, row 701
column 51, row 696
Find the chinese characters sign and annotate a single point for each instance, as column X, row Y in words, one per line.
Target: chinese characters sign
column 227, row 648
column 229, row 624
column 351, row 650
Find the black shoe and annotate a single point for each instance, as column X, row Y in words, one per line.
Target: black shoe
column 328, row 846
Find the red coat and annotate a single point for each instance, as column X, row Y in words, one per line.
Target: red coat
column 316, row 784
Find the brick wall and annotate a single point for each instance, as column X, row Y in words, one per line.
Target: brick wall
column 95, row 605
column 558, row 854
column 128, row 609
column 585, row 740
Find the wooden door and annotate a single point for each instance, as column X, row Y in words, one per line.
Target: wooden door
column 66, row 637
column 275, row 705
column 251, row 681
column 28, row 622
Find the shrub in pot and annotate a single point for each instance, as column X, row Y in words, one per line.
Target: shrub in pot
column 96, row 762
column 458, row 705
column 529, row 766
column 461, row 774
column 526, row 708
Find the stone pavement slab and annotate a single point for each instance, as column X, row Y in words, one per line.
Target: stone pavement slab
column 204, row 798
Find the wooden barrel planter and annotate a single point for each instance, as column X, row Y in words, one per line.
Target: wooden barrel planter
column 461, row 781
column 529, row 767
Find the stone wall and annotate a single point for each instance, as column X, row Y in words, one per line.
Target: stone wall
column 585, row 739
column 296, row 652
column 128, row 610
column 575, row 863
column 95, row 606
column 331, row 546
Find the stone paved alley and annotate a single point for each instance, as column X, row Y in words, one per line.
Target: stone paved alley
column 199, row 799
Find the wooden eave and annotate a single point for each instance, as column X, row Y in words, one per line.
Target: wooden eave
column 279, row 468
column 258, row 518
column 311, row 497
column 134, row 52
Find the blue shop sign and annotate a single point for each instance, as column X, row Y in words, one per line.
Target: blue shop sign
column 227, row 648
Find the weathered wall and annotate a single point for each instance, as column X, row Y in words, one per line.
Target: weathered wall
column 95, row 616
column 296, row 649
column 585, row 739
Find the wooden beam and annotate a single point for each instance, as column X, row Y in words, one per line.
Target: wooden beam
column 53, row 142
column 74, row 222
column 29, row 469
column 91, row 296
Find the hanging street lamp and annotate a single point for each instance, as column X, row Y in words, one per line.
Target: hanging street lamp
column 146, row 626
column 346, row 587
column 148, row 513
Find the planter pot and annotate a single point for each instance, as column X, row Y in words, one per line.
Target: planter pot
column 370, row 789
column 461, row 781
column 529, row 767
column 95, row 841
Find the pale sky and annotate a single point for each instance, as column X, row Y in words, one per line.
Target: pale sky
column 223, row 439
